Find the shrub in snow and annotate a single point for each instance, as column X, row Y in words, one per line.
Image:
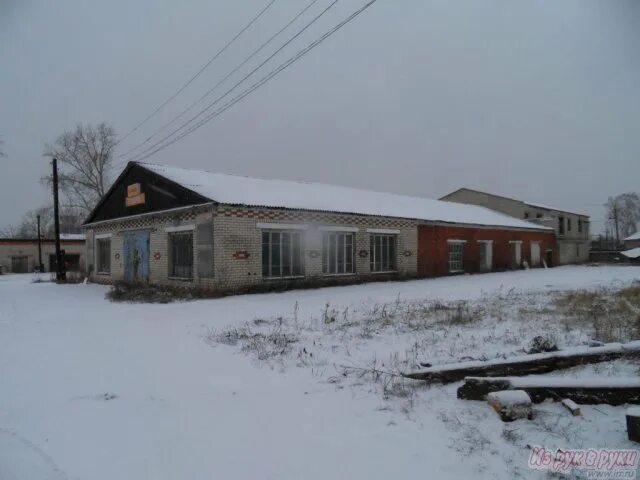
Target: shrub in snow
column 542, row 343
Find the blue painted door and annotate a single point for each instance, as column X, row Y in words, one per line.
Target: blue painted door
column 136, row 256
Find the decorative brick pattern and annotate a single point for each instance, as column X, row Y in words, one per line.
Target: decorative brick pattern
column 304, row 216
column 237, row 240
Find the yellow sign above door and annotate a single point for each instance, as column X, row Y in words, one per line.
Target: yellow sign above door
column 134, row 195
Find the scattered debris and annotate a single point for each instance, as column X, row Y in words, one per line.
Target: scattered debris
column 529, row 364
column 511, row 404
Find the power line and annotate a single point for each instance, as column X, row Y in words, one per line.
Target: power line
column 266, row 78
column 212, row 89
column 206, row 65
column 242, row 80
column 284, row 65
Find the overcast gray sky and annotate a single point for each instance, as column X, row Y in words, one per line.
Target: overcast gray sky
column 535, row 99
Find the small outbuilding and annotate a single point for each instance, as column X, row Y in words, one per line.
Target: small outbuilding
column 632, row 241
column 173, row 226
column 21, row 255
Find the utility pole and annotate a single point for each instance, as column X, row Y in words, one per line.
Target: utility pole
column 615, row 219
column 39, row 247
column 61, row 275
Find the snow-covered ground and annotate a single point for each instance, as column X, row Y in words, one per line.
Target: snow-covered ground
column 96, row 390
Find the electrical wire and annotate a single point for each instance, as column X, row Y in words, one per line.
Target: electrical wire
column 199, row 72
column 212, row 89
column 291, row 60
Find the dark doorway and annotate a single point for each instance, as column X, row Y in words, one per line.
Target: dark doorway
column 20, row 264
column 549, row 258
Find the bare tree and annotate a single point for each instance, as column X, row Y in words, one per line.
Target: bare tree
column 2, row 154
column 10, row 231
column 84, row 158
column 70, row 222
column 623, row 214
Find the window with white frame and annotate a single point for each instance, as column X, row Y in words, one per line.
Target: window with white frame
column 281, row 254
column 456, row 256
column 103, row 255
column 383, row 252
column 181, row 255
column 485, row 253
column 337, row 253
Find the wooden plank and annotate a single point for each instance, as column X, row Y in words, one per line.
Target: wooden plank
column 607, row 391
column 528, row 364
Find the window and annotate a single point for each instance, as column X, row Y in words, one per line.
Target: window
column 337, row 253
column 579, row 225
column 568, row 224
column 281, row 254
column 485, row 250
column 516, row 253
column 103, row 247
column 383, row 253
column 538, row 215
column 561, row 225
column 526, row 215
column 181, row 255
column 456, row 250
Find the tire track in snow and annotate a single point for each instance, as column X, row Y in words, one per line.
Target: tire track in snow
column 9, row 440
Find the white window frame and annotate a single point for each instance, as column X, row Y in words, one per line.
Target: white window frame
column 372, row 251
column 531, row 259
column 454, row 263
column 326, row 239
column 100, row 239
column 488, row 255
column 518, row 244
column 291, row 257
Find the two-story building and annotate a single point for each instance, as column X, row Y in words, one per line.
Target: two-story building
column 572, row 229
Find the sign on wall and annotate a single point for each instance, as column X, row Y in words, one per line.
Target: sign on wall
column 135, row 196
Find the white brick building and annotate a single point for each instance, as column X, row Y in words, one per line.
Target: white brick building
column 172, row 226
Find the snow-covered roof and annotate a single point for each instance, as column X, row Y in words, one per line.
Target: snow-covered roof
column 635, row 236
column 512, row 199
column 239, row 190
column 633, row 253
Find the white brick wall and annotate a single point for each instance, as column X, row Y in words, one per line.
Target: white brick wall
column 238, row 243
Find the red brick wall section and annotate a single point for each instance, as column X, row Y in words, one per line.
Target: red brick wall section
column 433, row 249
